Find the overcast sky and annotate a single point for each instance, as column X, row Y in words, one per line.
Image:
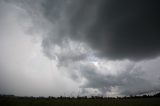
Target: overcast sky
column 79, row 47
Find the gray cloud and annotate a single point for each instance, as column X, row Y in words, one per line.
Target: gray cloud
column 117, row 29
column 132, row 80
column 114, row 29
column 95, row 41
column 24, row 69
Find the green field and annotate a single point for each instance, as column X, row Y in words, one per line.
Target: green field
column 79, row 102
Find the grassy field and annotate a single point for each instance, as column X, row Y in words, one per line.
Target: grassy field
column 79, row 102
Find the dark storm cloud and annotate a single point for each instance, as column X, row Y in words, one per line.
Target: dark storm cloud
column 117, row 29
column 73, row 31
column 127, row 29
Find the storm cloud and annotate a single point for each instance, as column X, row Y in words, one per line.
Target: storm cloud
column 92, row 47
column 129, row 78
column 109, row 29
column 116, row 29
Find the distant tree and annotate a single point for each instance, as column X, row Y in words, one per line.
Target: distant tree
column 157, row 95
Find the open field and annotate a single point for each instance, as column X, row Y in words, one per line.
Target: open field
column 79, row 102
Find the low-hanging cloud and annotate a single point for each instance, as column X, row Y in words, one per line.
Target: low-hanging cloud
column 130, row 78
column 76, row 34
column 116, row 29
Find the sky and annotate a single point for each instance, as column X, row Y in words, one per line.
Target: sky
column 79, row 47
